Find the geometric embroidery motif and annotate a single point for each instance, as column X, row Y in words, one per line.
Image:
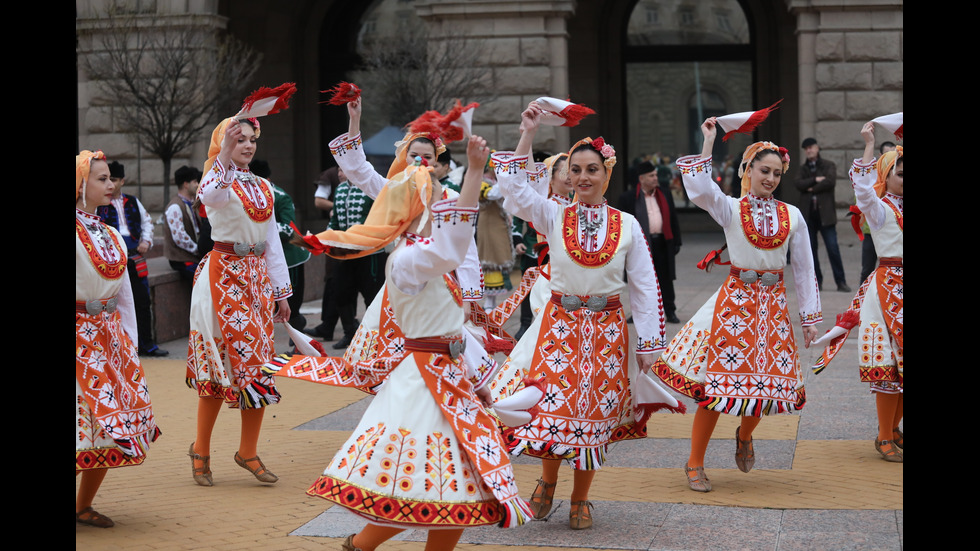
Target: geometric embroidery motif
column 405, row 512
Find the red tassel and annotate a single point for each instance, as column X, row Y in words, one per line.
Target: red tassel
column 282, row 92
column 575, row 113
column 494, row 344
column 343, row 93
column 754, row 120
column 537, row 383
column 848, row 320
column 898, row 133
column 855, row 214
column 318, row 347
column 712, row 258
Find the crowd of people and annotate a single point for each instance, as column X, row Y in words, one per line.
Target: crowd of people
column 430, row 251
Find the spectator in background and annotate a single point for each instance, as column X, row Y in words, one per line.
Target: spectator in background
column 816, row 182
column 327, row 184
column 653, row 207
column 440, row 169
column 183, row 224
column 285, row 213
column 127, row 214
column 356, row 276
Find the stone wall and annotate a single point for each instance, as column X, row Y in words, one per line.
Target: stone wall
column 525, row 58
column 851, row 71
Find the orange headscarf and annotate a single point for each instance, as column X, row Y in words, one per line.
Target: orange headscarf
column 403, row 199
column 750, row 154
column 401, row 161
column 83, row 164
column 218, row 135
column 605, row 151
column 884, row 166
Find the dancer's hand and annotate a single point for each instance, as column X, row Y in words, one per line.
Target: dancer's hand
column 646, row 361
column 283, row 312
column 868, row 133
column 476, row 158
column 809, row 335
column 531, row 117
column 477, row 152
column 354, row 111
column 709, row 128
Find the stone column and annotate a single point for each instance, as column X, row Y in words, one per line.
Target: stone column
column 526, row 57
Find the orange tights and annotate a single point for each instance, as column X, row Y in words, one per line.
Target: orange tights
column 369, row 538
column 207, row 413
column 704, row 425
column 87, row 488
column 891, row 409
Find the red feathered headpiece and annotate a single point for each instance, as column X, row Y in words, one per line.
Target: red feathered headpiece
column 343, row 93
column 439, row 125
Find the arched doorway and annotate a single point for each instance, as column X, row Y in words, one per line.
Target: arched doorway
column 684, row 62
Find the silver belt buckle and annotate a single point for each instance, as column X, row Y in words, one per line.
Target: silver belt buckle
column 93, row 307
column 769, row 279
column 571, row 303
column 456, row 348
column 242, row 249
column 596, row 304
column 748, row 276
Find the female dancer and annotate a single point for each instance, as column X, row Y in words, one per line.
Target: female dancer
column 113, row 416
column 582, row 343
column 551, row 181
column 232, row 301
column 737, row 354
column 880, row 189
column 425, row 453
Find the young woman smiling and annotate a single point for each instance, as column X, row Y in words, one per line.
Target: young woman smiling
column 237, row 286
column 737, row 354
column 113, row 417
column 582, row 342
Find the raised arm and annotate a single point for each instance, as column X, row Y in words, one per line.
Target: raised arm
column 696, row 175
column 476, row 158
column 868, row 134
column 709, row 129
column 354, row 112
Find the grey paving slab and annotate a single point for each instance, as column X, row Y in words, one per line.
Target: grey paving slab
column 665, row 527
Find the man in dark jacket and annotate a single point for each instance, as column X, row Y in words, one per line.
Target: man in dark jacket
column 816, row 183
column 653, row 207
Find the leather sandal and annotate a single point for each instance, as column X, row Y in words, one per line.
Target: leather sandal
column 580, row 518
column 891, row 454
column 348, row 544
column 700, row 482
column 202, row 474
column 93, row 518
column 541, row 508
column 744, row 453
column 261, row 473
column 900, row 440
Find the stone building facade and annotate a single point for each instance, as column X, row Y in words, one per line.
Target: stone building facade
column 835, row 64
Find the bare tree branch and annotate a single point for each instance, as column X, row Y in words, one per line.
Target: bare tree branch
column 167, row 84
column 411, row 73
